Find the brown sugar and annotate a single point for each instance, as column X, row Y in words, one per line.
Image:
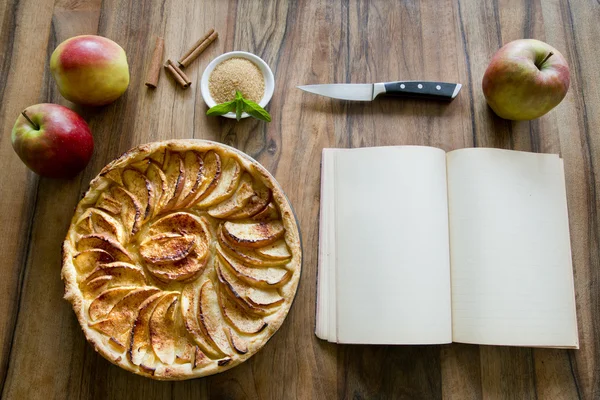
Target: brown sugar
column 236, row 74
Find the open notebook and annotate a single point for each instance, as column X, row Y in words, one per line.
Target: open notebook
column 422, row 247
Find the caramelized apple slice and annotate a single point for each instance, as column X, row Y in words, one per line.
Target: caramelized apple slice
column 166, row 247
column 239, row 344
column 267, row 277
column 162, row 324
column 141, row 188
column 106, row 243
column 192, row 162
column 108, row 203
column 139, row 342
column 247, row 256
column 175, row 175
column 200, row 359
column 113, row 175
column 269, row 213
column 211, row 174
column 276, row 251
column 237, row 317
column 235, row 203
column 264, row 298
column 158, row 157
column 158, row 180
column 87, row 260
column 253, row 234
column 252, row 299
column 230, row 178
column 98, row 221
column 119, row 321
column 180, row 271
column 255, row 204
column 181, row 222
column 118, row 273
column 131, row 209
column 209, row 316
column 101, row 305
column 84, row 224
column 190, row 298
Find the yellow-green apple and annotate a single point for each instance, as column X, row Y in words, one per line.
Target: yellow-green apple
column 52, row 140
column 90, row 70
column 525, row 79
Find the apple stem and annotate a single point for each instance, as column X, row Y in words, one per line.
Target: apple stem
column 36, row 126
column 545, row 59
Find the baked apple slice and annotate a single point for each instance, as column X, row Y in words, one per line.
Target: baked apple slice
column 101, row 305
column 175, row 178
column 235, row 203
column 246, row 255
column 180, row 271
column 190, row 298
column 166, row 247
column 276, row 251
column 211, row 175
column 110, row 275
column 239, row 344
column 269, row 213
column 210, row 319
column 108, row 203
column 237, row 316
column 131, row 209
column 118, row 323
column 158, row 180
column 139, row 340
column 192, row 162
column 253, row 299
column 161, row 327
column 266, row 277
column 253, row 234
column 87, row 260
column 97, row 221
column 257, row 202
column 228, row 182
column 141, row 188
column 106, row 243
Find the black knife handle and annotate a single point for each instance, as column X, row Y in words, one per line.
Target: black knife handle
column 421, row 89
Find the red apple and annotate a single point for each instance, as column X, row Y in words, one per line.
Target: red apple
column 525, row 79
column 52, row 140
column 90, row 70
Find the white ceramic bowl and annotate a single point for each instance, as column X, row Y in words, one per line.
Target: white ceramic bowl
column 264, row 68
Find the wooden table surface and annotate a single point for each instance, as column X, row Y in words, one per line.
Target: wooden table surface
column 43, row 353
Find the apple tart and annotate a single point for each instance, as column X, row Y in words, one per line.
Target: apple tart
column 182, row 259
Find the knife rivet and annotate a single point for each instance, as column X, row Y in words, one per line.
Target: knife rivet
column 402, row 86
column 420, row 86
column 438, row 87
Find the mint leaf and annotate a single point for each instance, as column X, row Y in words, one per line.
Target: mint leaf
column 256, row 111
column 221, row 109
column 239, row 105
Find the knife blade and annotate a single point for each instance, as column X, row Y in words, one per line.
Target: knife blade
column 369, row 91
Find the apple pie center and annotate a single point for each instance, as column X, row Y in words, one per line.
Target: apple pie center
column 175, row 247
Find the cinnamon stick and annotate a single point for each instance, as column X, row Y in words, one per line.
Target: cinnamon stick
column 187, row 60
column 196, row 45
column 178, row 74
column 154, row 69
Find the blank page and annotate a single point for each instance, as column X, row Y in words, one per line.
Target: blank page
column 391, row 246
column 512, row 277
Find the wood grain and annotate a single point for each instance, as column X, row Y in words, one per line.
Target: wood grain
column 43, row 353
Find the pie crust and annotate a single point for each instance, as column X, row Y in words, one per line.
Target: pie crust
column 182, row 259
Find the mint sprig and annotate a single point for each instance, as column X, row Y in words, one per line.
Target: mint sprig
column 240, row 105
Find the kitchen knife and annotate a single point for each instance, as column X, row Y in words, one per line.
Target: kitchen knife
column 369, row 91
